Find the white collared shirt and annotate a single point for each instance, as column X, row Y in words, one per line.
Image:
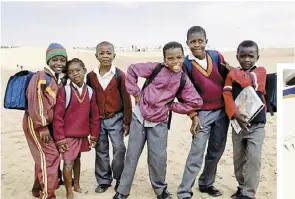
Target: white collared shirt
column 106, row 78
column 60, row 76
column 80, row 89
column 202, row 63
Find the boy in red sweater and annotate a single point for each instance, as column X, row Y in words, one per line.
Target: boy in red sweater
column 37, row 123
column 207, row 73
column 71, row 132
column 247, row 146
column 115, row 111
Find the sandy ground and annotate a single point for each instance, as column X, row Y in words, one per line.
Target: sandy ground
column 18, row 166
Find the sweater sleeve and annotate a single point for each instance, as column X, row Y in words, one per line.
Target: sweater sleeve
column 138, row 70
column 127, row 104
column 41, row 101
column 58, row 120
column 191, row 100
column 230, row 106
column 94, row 118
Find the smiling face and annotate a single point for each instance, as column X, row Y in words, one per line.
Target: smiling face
column 57, row 63
column 76, row 73
column 105, row 54
column 174, row 59
column 197, row 43
column 247, row 56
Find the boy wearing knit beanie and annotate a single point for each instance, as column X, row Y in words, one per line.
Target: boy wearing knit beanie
column 41, row 96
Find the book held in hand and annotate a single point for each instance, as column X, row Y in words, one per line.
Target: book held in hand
column 249, row 104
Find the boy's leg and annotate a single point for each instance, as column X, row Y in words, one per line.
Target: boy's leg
column 46, row 158
column 255, row 141
column 67, row 173
column 215, row 149
column 77, row 168
column 116, row 133
column 36, row 187
column 157, row 156
column 195, row 158
column 103, row 172
column 137, row 138
column 239, row 156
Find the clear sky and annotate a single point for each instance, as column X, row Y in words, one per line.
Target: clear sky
column 270, row 24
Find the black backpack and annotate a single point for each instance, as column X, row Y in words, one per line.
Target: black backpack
column 271, row 93
column 155, row 72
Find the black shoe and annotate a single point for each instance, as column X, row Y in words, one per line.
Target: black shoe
column 60, row 181
column 102, row 188
column 165, row 195
column 119, row 196
column 211, row 191
column 242, row 197
column 117, row 185
column 187, row 198
column 238, row 192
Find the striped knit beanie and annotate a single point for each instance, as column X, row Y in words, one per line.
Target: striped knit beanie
column 55, row 49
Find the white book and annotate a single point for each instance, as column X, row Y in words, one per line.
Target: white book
column 249, row 104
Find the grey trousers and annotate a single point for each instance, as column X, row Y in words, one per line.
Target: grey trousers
column 156, row 138
column 215, row 127
column 113, row 128
column 247, row 148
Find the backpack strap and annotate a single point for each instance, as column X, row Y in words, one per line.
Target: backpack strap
column 90, row 92
column 68, row 93
column 215, row 58
column 271, row 93
column 48, row 79
column 188, row 67
column 155, row 72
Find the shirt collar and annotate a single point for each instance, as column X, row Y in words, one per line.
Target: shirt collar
column 255, row 65
column 192, row 57
column 76, row 86
column 112, row 69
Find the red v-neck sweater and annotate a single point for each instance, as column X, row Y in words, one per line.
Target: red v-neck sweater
column 79, row 120
column 209, row 83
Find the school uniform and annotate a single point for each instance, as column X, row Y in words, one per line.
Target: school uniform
column 209, row 84
column 247, row 146
column 37, row 118
column 115, row 110
column 70, row 130
column 149, row 121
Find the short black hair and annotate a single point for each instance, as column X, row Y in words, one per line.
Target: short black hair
column 74, row 60
column 105, row 43
column 195, row 29
column 248, row 43
column 172, row 44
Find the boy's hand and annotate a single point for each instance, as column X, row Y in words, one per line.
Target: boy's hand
column 45, row 137
column 126, row 128
column 92, row 143
column 196, row 125
column 137, row 99
column 241, row 119
column 63, row 148
column 227, row 66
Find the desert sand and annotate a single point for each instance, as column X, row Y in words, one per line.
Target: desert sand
column 18, row 165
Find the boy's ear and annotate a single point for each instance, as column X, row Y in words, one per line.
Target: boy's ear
column 206, row 41
column 114, row 56
column 258, row 57
column 85, row 70
column 237, row 57
column 187, row 42
column 96, row 55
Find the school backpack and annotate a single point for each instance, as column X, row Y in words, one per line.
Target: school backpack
column 68, row 94
column 15, row 94
column 271, row 93
column 155, row 72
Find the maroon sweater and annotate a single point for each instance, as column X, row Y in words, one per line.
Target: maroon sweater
column 109, row 100
column 209, row 83
column 81, row 119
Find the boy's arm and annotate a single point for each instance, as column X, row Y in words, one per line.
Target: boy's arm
column 191, row 100
column 127, row 104
column 58, row 119
column 94, row 118
column 37, row 109
column 138, row 70
column 230, row 106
